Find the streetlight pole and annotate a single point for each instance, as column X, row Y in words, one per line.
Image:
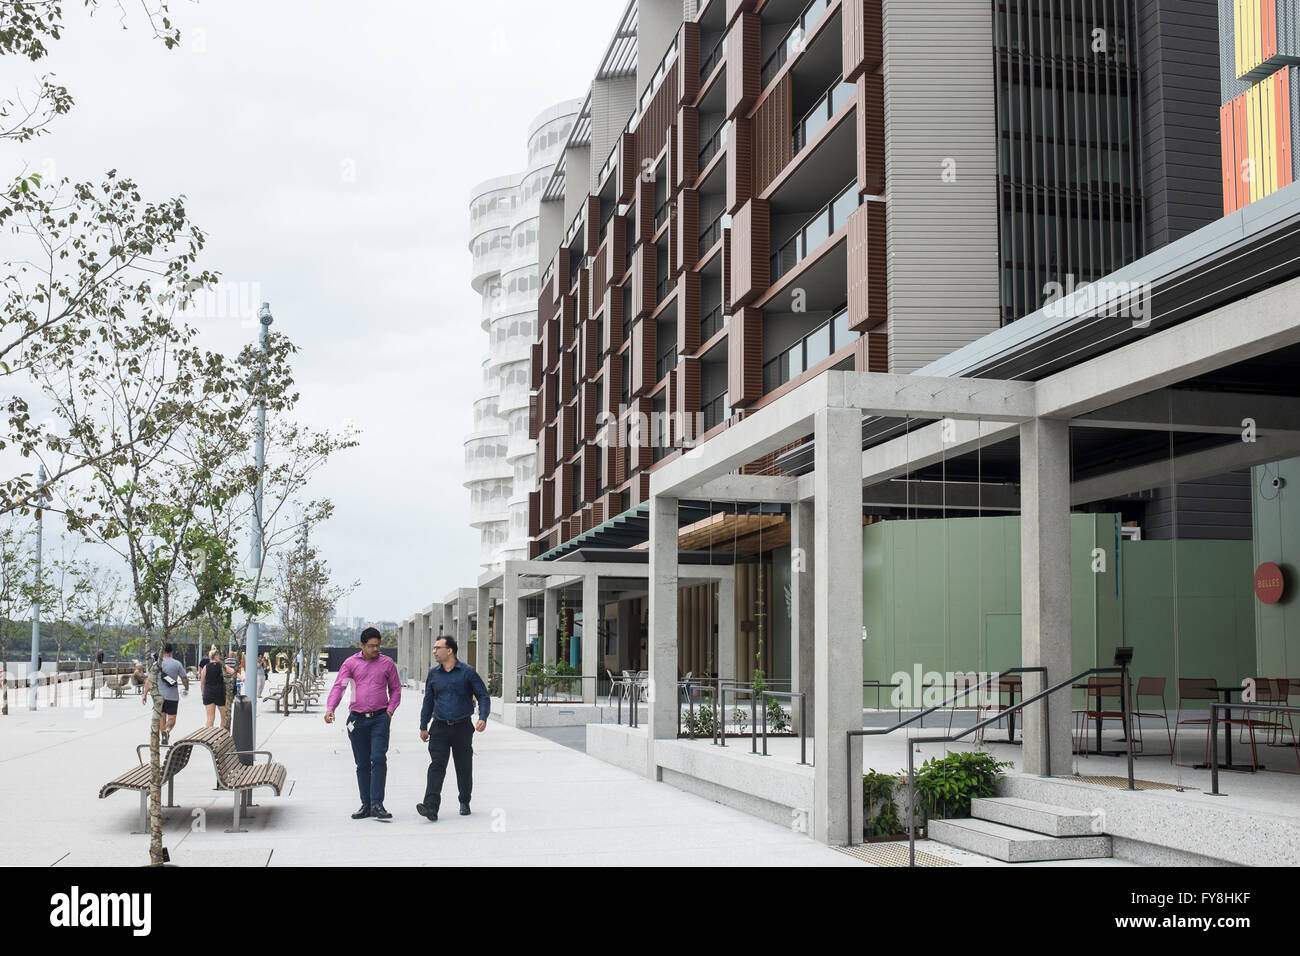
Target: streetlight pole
column 36, row 600
column 255, row 549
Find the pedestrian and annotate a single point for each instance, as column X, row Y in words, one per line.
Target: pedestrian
column 449, row 694
column 376, row 693
column 212, row 685
column 171, row 673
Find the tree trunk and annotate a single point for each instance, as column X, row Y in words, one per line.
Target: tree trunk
column 155, row 767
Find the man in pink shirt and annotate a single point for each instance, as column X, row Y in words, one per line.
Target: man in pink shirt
column 376, row 692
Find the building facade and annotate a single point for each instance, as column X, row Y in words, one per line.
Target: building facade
column 500, row 455
column 785, row 187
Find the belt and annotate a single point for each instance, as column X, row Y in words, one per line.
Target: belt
column 458, row 720
column 373, row 713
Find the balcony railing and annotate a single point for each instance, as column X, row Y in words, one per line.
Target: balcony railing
column 821, row 113
column 661, row 290
column 715, row 56
column 662, row 212
column 710, row 236
column 666, row 363
column 793, row 38
column 715, row 143
column 712, row 323
column 716, row 410
column 816, row 230
column 823, row 341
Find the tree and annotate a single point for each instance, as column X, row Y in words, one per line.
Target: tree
column 306, row 599
column 15, row 570
column 24, row 26
column 171, row 415
column 101, row 599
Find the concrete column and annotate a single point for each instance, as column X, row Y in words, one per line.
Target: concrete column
column 837, row 625
column 591, row 649
column 663, row 619
column 461, row 612
column 514, row 632
column 549, row 624
column 726, row 659
column 482, row 628
column 1045, row 588
column 802, row 546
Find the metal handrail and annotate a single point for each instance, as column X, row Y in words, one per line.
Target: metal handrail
column 1215, row 707
column 966, row 691
column 803, row 720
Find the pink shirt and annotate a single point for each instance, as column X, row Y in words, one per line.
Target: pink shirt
column 375, row 685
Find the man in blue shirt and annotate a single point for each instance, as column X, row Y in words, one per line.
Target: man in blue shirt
column 448, row 712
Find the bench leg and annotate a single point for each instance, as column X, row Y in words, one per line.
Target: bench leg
column 171, row 794
column 235, row 827
column 144, row 813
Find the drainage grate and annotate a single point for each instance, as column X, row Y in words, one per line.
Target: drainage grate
column 1121, row 783
column 891, row 854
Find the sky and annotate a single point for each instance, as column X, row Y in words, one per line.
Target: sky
column 329, row 150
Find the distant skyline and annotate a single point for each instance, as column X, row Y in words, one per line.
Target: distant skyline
column 329, row 158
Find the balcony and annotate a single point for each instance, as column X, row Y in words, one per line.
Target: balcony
column 816, row 118
column 715, row 144
column 712, row 323
column 819, row 344
column 790, row 44
column 666, row 363
column 710, row 236
column 713, row 59
column 816, row 230
column 716, row 411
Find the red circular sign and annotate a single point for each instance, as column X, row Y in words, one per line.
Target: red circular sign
column 1269, row 583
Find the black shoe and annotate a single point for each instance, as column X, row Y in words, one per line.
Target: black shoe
column 464, row 809
column 362, row 813
column 379, row 813
column 422, row 810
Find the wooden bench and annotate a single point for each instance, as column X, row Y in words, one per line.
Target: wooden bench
column 174, row 760
column 233, row 775
column 274, row 696
column 305, row 695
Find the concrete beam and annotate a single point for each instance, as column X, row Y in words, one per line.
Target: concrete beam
column 1190, row 467
column 923, row 396
column 1209, row 413
column 760, row 488
column 1261, row 323
column 925, row 446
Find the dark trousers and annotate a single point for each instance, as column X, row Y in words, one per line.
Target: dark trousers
column 369, row 736
column 457, row 741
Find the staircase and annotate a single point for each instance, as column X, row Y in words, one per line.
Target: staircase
column 1023, row 831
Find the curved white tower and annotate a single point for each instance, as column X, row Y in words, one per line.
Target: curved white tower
column 500, row 459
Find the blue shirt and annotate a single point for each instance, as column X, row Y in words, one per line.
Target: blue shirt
column 448, row 693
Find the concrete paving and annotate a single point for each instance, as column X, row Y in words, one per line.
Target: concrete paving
column 536, row 802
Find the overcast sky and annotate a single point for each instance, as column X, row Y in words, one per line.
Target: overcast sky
column 328, row 149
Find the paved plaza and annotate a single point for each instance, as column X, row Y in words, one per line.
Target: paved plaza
column 536, row 803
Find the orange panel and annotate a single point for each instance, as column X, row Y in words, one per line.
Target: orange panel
column 1270, row 28
column 1242, row 149
column 1228, row 160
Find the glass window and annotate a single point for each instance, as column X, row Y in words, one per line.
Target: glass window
column 819, row 345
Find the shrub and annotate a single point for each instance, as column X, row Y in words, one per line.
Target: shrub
column 946, row 785
column 778, row 721
column 879, row 814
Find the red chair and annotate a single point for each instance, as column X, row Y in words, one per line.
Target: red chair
column 1149, row 687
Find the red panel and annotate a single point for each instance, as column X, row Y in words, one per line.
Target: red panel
column 1269, row 20
column 1242, row 149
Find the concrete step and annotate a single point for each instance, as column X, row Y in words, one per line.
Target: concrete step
column 1031, row 815
column 1013, row 845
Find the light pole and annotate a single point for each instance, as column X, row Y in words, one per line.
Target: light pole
column 255, row 549
column 36, row 599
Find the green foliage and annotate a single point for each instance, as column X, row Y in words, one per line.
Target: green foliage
column 704, row 723
column 879, row 814
column 740, row 717
column 778, row 720
column 946, row 785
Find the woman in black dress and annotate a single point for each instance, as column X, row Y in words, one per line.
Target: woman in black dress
column 212, row 679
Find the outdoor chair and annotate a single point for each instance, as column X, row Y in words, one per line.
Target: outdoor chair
column 617, row 685
column 965, row 684
column 1203, row 688
column 1268, row 691
column 1149, row 687
column 1098, row 690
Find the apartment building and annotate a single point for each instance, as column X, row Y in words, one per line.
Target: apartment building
column 500, row 454
column 783, row 187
